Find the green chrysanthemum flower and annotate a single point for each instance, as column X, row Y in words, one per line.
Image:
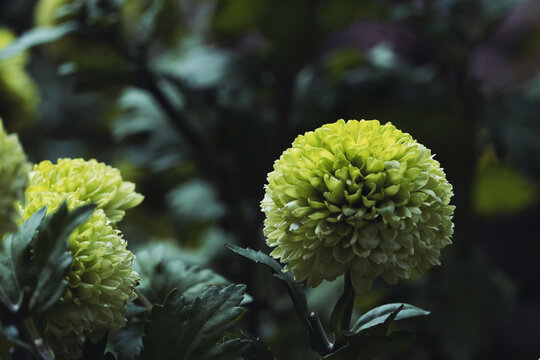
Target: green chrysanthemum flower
column 13, row 176
column 90, row 181
column 357, row 196
column 100, row 280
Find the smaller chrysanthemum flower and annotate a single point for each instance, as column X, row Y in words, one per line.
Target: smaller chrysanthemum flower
column 100, row 280
column 361, row 197
column 89, row 181
column 14, row 171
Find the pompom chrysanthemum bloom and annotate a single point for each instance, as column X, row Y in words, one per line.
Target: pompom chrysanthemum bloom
column 357, row 196
column 100, row 280
column 13, row 176
column 90, row 181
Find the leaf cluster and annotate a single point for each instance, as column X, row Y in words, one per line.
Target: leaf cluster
column 367, row 338
column 33, row 264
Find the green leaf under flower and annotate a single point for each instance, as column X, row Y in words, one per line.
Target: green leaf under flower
column 295, row 290
column 380, row 314
column 196, row 331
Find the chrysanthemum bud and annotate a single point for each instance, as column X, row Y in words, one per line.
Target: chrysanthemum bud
column 357, row 196
column 13, row 176
column 100, row 280
column 90, row 181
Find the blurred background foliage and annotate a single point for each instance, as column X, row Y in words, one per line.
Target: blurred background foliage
column 194, row 99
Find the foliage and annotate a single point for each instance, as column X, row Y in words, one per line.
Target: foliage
column 193, row 100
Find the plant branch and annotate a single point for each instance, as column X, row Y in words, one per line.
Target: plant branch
column 324, row 347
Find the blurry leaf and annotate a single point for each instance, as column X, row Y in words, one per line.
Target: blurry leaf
column 148, row 19
column 199, row 65
column 500, row 189
column 5, row 345
column 237, row 16
column 157, row 144
column 37, row 36
column 494, row 10
column 295, row 290
column 195, row 331
column 11, row 334
column 161, row 271
column 382, row 56
column 128, row 343
column 195, row 200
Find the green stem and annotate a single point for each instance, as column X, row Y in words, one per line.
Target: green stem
column 143, row 300
column 342, row 313
column 319, row 337
column 340, row 320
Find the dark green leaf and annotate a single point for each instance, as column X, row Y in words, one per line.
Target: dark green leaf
column 15, row 246
column 381, row 313
column 195, row 200
column 161, row 271
column 195, row 331
column 363, row 345
column 295, row 290
column 37, row 36
column 51, row 254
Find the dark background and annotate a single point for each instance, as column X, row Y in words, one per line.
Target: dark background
column 194, row 100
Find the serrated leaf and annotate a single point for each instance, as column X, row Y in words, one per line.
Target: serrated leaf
column 194, row 331
column 15, row 245
column 296, row 292
column 51, row 254
column 380, row 314
column 37, row 36
column 161, row 271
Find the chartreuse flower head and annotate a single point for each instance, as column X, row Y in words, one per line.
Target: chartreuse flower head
column 357, row 196
column 13, row 176
column 89, row 181
column 100, row 280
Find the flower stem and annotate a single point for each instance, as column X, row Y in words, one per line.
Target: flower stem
column 340, row 319
column 320, row 339
column 143, row 300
